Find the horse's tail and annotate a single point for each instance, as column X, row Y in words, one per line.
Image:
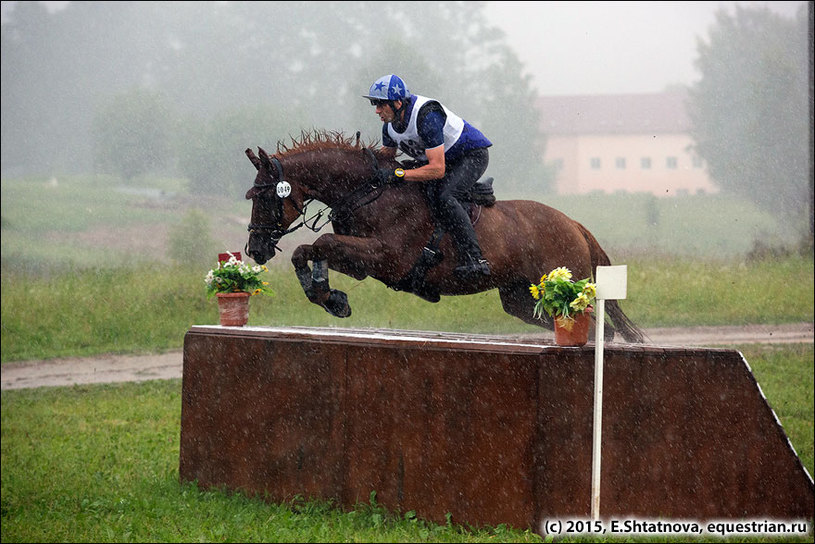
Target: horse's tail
column 621, row 322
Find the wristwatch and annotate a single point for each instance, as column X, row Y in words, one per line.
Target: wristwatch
column 399, row 173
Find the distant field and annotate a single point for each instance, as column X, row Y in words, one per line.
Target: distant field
column 86, row 220
column 696, row 226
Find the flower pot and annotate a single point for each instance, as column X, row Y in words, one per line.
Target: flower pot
column 233, row 309
column 573, row 330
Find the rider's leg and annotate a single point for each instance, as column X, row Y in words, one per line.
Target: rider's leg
column 460, row 176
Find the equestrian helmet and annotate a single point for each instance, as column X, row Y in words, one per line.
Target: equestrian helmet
column 390, row 87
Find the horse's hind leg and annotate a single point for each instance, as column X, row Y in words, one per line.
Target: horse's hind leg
column 518, row 302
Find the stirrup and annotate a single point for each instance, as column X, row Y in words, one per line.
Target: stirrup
column 474, row 267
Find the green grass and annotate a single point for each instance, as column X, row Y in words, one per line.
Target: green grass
column 687, row 226
column 787, row 377
column 84, row 221
column 670, row 292
column 77, row 312
column 100, row 464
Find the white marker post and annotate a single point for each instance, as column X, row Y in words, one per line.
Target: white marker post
column 611, row 284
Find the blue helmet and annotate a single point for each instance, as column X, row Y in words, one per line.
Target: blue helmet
column 390, row 87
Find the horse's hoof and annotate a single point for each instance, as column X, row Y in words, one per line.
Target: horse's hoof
column 337, row 304
column 317, row 291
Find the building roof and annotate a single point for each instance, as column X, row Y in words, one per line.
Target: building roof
column 615, row 113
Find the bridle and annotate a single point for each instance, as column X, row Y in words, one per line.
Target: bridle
column 276, row 231
column 340, row 209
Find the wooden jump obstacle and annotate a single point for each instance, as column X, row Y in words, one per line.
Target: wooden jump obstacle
column 487, row 429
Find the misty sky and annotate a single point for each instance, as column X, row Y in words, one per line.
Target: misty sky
column 611, row 47
column 604, row 47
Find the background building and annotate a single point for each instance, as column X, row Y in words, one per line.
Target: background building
column 626, row 142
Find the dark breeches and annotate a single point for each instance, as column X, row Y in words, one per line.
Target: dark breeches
column 443, row 196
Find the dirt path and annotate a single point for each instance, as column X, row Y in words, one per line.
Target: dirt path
column 135, row 368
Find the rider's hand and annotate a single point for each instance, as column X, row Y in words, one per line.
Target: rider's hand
column 388, row 175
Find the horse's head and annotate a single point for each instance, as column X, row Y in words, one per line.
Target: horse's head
column 322, row 166
column 275, row 206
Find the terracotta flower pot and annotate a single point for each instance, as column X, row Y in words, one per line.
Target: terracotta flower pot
column 573, row 330
column 233, row 309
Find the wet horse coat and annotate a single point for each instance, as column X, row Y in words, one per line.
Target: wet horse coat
column 380, row 231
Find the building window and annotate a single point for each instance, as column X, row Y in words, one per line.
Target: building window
column 619, row 162
column 645, row 163
column 595, row 163
column 671, row 163
column 557, row 164
column 697, row 162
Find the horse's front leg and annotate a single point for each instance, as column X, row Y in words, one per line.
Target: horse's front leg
column 312, row 281
column 347, row 254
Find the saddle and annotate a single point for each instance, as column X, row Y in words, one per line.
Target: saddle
column 481, row 194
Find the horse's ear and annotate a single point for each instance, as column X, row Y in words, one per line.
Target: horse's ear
column 264, row 158
column 253, row 158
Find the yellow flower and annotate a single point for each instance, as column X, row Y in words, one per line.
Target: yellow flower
column 563, row 296
column 560, row 273
column 580, row 303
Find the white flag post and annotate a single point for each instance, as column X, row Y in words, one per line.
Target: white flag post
column 611, row 284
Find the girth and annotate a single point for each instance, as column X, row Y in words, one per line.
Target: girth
column 431, row 255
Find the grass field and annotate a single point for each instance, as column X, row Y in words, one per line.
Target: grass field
column 90, row 267
column 150, row 308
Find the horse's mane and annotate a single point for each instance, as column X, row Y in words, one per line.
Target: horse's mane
column 322, row 139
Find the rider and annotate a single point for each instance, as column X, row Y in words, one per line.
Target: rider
column 453, row 155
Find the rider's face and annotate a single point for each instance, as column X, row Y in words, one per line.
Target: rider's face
column 385, row 111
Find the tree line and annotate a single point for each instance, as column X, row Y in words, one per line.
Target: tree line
column 195, row 83
column 182, row 88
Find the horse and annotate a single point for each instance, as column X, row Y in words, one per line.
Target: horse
column 385, row 231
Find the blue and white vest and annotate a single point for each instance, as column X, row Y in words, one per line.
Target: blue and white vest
column 411, row 143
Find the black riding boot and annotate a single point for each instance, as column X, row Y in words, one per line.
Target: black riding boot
column 471, row 261
column 473, row 265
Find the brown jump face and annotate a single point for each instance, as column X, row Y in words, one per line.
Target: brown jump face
column 490, row 430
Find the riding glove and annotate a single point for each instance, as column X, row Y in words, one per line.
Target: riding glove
column 386, row 175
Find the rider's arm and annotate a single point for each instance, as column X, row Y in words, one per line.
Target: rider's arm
column 434, row 169
column 431, row 129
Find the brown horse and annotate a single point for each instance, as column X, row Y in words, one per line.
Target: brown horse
column 385, row 232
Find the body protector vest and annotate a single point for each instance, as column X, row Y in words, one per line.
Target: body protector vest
column 411, row 143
